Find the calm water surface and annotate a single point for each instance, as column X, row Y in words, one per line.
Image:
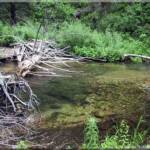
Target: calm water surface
column 63, row 98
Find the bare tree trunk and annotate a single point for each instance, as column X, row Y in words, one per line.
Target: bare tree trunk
column 13, row 13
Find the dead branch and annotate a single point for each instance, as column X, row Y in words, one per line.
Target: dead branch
column 41, row 56
column 16, row 99
column 12, row 89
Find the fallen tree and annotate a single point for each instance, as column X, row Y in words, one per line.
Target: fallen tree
column 42, row 56
column 127, row 57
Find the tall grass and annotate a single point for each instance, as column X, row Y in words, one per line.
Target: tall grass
column 22, row 32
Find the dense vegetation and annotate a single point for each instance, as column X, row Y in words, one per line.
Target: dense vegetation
column 106, row 30
column 122, row 138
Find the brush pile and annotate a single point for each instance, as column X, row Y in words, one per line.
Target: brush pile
column 16, row 100
column 15, row 95
column 43, row 57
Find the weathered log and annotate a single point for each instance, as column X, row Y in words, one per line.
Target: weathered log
column 143, row 57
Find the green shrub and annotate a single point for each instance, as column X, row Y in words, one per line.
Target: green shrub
column 77, row 34
column 22, row 145
column 91, row 135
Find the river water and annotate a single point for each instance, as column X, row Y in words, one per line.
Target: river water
column 110, row 92
column 93, row 87
column 103, row 90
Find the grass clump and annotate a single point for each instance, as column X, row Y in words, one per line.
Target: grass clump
column 76, row 34
column 91, row 135
column 20, row 32
column 122, row 138
column 26, row 31
column 6, row 34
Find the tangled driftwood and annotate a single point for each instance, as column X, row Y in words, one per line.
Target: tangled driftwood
column 42, row 56
column 13, row 90
column 16, row 99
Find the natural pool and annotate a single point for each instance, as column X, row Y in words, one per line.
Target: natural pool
column 101, row 89
column 110, row 92
column 104, row 90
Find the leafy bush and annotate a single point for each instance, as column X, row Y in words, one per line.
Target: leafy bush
column 22, row 145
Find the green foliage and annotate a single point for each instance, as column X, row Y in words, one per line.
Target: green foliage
column 77, row 34
column 56, row 12
column 22, row 145
column 22, row 32
column 108, row 38
column 6, row 34
column 82, row 40
column 133, row 19
column 109, row 45
column 91, row 135
column 122, row 138
column 26, row 31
